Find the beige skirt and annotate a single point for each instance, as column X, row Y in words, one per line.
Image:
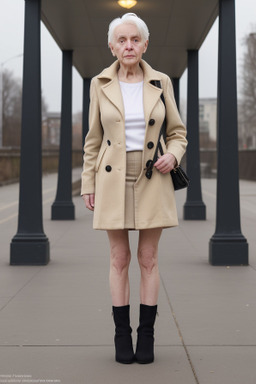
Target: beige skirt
column 133, row 170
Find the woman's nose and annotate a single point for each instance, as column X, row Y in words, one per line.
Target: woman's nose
column 128, row 44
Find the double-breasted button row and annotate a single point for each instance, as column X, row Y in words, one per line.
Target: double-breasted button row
column 150, row 145
column 151, row 122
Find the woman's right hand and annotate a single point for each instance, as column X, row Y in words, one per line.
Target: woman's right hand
column 89, row 200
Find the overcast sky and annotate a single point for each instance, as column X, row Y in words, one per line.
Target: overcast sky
column 11, row 46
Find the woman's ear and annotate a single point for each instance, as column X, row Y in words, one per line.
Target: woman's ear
column 145, row 46
column 112, row 49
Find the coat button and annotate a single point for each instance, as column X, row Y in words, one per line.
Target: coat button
column 108, row 168
column 151, row 122
column 150, row 145
column 148, row 163
column 109, row 142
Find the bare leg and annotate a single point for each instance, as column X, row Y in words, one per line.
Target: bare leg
column 148, row 261
column 120, row 257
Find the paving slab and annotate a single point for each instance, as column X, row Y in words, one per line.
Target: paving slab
column 56, row 322
column 224, row 364
column 93, row 365
column 214, row 308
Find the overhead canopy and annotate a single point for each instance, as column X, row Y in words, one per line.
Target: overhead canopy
column 175, row 26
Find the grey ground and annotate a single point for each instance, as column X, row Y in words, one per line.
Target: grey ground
column 55, row 320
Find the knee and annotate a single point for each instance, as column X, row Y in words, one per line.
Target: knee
column 120, row 259
column 147, row 258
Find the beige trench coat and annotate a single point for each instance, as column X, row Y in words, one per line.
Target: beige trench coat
column 104, row 166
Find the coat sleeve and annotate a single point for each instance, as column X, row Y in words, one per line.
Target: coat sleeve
column 175, row 130
column 92, row 144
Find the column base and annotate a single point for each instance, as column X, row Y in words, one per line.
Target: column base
column 227, row 250
column 34, row 250
column 63, row 210
column 194, row 210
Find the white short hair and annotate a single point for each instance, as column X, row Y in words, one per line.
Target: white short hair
column 129, row 18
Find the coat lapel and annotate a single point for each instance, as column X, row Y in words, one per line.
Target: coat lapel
column 111, row 87
column 151, row 96
column 151, row 93
column 113, row 92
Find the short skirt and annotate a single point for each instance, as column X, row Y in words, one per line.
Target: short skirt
column 133, row 170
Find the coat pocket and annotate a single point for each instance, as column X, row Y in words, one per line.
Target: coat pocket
column 100, row 156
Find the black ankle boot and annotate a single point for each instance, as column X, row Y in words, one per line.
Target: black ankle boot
column 123, row 338
column 145, row 343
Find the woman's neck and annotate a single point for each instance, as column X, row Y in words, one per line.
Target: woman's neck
column 131, row 74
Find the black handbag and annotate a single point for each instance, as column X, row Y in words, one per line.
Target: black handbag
column 179, row 178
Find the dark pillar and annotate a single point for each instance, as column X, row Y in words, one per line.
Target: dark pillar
column 86, row 101
column 176, row 89
column 227, row 246
column 63, row 207
column 30, row 246
column 194, row 208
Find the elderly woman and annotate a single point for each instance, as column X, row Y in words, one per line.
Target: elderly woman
column 126, row 115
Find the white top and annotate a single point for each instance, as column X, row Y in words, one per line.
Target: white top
column 134, row 115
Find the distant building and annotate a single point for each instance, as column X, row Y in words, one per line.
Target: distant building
column 208, row 122
column 246, row 131
column 51, row 129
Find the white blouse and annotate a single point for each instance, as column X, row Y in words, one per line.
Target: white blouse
column 134, row 115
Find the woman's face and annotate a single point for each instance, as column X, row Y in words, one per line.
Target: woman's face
column 128, row 45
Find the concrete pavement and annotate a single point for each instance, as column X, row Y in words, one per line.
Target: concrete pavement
column 55, row 320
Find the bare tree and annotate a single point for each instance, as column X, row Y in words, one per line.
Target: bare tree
column 77, row 131
column 12, row 102
column 12, row 92
column 248, row 105
column 44, row 108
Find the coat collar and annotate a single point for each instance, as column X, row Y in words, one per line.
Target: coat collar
column 112, row 90
column 149, row 73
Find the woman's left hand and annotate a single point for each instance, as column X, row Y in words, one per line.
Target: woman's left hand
column 166, row 163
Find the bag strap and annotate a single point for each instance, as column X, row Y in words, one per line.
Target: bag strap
column 159, row 147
